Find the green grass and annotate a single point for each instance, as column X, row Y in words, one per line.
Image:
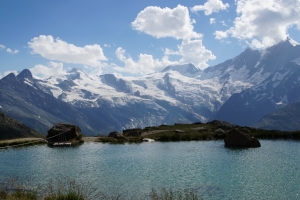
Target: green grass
column 67, row 189
column 199, row 131
column 23, row 143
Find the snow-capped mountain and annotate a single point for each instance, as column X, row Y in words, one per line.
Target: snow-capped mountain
column 181, row 93
column 177, row 86
column 277, row 90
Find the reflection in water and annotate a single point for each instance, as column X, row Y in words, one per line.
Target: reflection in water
column 133, row 170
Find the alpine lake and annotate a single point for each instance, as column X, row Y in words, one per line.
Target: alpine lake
column 213, row 171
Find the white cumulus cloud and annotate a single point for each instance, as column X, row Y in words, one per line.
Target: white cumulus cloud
column 166, row 22
column 193, row 51
column 8, row 50
column 12, row 51
column 189, row 51
column 59, row 50
column 212, row 20
column 210, row 7
column 263, row 23
column 144, row 65
column 43, row 71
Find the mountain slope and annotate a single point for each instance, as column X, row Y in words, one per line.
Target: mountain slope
column 279, row 89
column 286, row 119
column 21, row 99
column 11, row 129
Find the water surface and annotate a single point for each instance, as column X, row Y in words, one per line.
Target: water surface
column 215, row 172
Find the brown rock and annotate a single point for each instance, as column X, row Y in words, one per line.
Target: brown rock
column 70, row 132
column 116, row 135
column 239, row 139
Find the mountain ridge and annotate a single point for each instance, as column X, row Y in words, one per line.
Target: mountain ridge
column 176, row 94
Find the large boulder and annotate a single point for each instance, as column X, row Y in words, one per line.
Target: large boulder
column 239, row 139
column 65, row 132
column 116, row 135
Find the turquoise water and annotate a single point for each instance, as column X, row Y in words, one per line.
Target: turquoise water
column 215, row 172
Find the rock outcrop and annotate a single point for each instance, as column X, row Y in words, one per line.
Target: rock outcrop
column 239, row 139
column 116, row 135
column 64, row 132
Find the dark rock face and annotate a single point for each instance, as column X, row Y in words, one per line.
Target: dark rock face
column 116, row 135
column 11, row 129
column 239, row 139
column 70, row 132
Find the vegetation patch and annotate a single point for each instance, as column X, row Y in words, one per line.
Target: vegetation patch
column 7, row 144
column 68, row 189
column 214, row 130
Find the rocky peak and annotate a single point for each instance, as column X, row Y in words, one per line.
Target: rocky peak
column 25, row 74
column 185, row 69
column 10, row 78
column 76, row 73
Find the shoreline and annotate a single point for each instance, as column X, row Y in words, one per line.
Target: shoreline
column 18, row 142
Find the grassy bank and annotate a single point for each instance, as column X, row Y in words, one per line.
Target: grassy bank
column 72, row 190
column 21, row 142
column 197, row 131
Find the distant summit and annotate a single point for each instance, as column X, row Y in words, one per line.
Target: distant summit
column 184, row 69
column 25, row 74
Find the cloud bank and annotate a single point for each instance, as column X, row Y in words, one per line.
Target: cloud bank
column 59, row 50
column 263, row 23
column 166, row 22
column 43, row 71
column 144, row 65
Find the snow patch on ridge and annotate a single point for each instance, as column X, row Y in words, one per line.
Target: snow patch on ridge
column 297, row 61
column 293, row 42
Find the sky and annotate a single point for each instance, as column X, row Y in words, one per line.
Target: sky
column 134, row 37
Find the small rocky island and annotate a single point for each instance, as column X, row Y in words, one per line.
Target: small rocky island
column 64, row 135
column 235, row 138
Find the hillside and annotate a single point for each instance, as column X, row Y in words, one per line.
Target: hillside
column 279, row 89
column 11, row 129
column 286, row 118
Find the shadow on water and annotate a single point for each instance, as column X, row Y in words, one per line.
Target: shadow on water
column 235, row 148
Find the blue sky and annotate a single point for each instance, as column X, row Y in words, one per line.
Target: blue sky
column 134, row 38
